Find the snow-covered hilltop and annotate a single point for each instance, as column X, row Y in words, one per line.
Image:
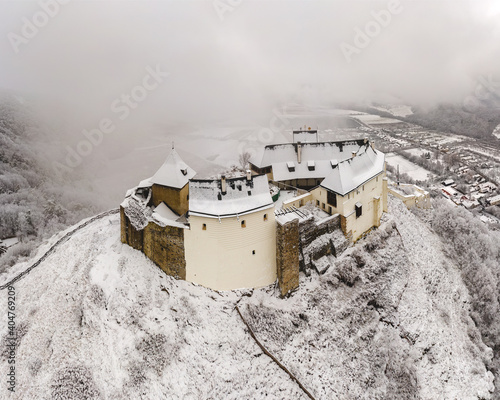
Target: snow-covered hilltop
column 390, row 319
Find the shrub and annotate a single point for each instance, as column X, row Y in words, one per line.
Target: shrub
column 74, row 383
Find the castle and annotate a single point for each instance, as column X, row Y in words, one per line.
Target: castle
column 227, row 234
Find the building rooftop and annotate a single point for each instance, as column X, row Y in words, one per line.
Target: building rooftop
column 173, row 173
column 322, row 151
column 242, row 196
column 354, row 172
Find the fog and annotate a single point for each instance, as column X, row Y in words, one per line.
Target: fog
column 238, row 60
column 232, row 60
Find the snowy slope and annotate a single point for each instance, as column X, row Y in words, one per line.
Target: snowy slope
column 390, row 320
column 401, row 331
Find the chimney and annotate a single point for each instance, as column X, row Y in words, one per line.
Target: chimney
column 249, row 175
column 223, row 184
column 299, row 152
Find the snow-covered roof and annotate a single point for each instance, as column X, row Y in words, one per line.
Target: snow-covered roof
column 173, row 173
column 354, row 172
column 282, row 153
column 282, row 172
column 145, row 183
column 166, row 216
column 241, row 197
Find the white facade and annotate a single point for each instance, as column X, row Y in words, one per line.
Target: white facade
column 235, row 253
column 231, row 243
column 360, row 209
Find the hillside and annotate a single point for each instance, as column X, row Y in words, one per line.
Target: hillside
column 456, row 118
column 390, row 320
column 35, row 203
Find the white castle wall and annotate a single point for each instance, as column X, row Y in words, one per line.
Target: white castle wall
column 221, row 257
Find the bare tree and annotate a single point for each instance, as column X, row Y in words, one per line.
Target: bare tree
column 244, row 159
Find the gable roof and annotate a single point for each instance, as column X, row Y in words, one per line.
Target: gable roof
column 320, row 169
column 282, row 153
column 242, row 197
column 354, row 172
column 173, row 173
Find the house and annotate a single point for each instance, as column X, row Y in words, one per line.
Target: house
column 493, row 201
column 223, row 233
column 303, row 165
column 486, row 187
column 345, row 177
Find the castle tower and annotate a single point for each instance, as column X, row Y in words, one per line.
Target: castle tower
column 170, row 183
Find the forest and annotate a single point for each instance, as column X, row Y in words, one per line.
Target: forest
column 35, row 203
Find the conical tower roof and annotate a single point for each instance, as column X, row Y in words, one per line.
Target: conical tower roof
column 174, row 172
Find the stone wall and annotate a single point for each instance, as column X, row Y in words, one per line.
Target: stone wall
column 287, row 256
column 129, row 234
column 319, row 239
column 165, row 247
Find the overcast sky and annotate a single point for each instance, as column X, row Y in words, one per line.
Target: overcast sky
column 241, row 58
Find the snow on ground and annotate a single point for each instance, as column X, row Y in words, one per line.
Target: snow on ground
column 388, row 320
column 417, row 152
column 496, row 132
column 97, row 311
column 490, row 152
column 413, row 170
column 396, row 110
column 284, row 196
column 376, row 119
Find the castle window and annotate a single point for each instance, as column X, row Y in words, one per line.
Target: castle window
column 265, row 217
column 359, row 210
column 253, row 252
column 323, row 205
column 243, row 224
column 329, row 210
column 317, row 203
column 204, row 227
column 331, row 198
